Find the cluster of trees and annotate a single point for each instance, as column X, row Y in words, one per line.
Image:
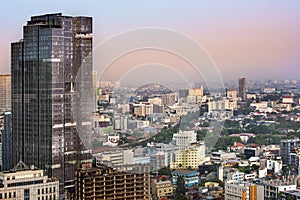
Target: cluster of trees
column 247, row 169
column 265, row 139
column 226, row 141
column 180, row 189
column 164, row 136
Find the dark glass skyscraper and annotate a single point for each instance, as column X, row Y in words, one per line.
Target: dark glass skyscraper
column 242, row 89
column 49, row 66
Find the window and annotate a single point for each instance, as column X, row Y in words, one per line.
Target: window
column 26, row 194
column 39, row 191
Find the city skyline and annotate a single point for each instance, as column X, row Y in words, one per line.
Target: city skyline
column 147, row 100
column 259, row 40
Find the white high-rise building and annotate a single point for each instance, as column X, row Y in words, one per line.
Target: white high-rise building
column 184, row 138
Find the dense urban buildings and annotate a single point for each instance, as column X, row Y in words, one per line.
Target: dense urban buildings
column 85, row 138
column 5, row 92
column 48, row 66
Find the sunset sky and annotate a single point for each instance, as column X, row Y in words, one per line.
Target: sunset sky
column 254, row 39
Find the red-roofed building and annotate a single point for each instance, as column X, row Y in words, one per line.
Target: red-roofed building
column 237, row 146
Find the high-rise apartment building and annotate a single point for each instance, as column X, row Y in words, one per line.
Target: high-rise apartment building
column 288, row 151
column 242, row 89
column 5, row 92
column 50, row 67
column 183, row 139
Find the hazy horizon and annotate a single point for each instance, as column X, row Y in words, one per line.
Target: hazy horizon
column 257, row 40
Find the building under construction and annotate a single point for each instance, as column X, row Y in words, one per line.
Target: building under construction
column 103, row 182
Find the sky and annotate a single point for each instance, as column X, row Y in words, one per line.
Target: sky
column 254, row 39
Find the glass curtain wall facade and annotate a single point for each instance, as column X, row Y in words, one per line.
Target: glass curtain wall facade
column 45, row 65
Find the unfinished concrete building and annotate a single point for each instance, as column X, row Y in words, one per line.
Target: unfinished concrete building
column 103, row 182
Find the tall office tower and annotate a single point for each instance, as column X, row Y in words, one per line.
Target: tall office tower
column 51, row 70
column 242, row 88
column 5, row 91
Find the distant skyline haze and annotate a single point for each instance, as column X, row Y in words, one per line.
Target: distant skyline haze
column 258, row 39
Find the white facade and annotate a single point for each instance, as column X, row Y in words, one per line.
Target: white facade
column 260, row 105
column 275, row 165
column 112, row 140
column 287, row 99
column 236, row 176
column 250, row 177
column 262, row 172
column 28, row 184
column 114, row 157
column 222, row 104
column 184, row 138
column 220, row 156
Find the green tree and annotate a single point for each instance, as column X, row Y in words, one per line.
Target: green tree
column 226, row 141
column 164, row 171
column 201, row 135
column 180, row 189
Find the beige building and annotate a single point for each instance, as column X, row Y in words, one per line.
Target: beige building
column 169, row 99
column 23, row 183
column 161, row 189
column 155, row 100
column 231, row 93
column 5, row 92
column 191, row 157
column 143, row 109
column 222, row 104
column 197, row 93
